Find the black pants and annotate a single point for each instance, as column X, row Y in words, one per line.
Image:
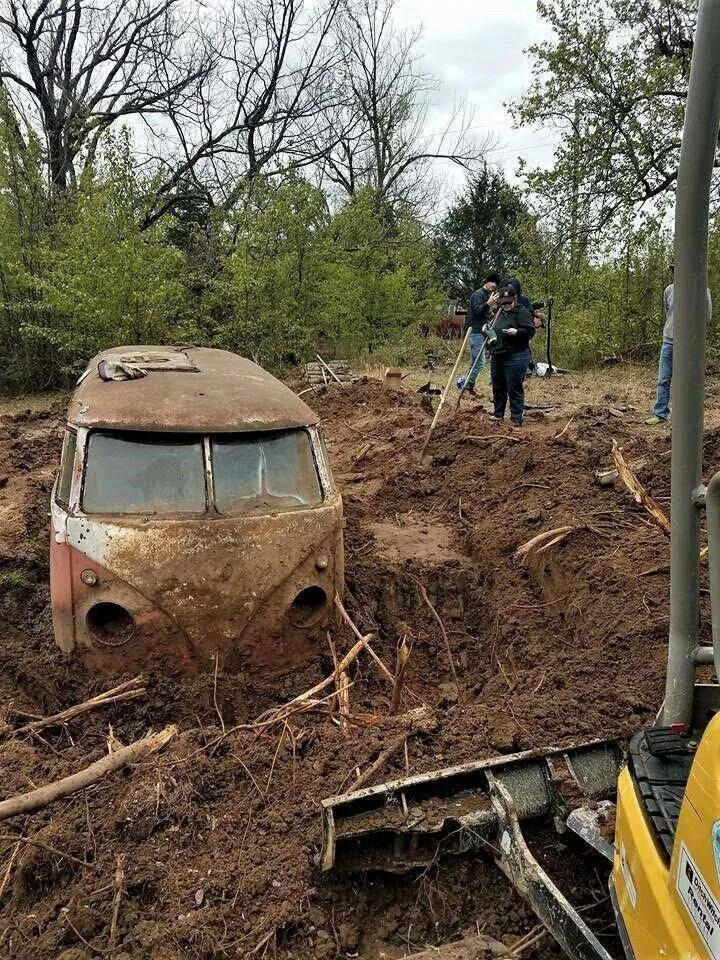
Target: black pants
column 508, row 372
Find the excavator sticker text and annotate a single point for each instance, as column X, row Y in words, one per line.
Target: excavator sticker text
column 699, row 902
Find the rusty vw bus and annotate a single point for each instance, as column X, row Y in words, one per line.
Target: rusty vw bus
column 194, row 512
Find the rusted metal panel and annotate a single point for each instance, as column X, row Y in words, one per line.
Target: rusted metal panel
column 196, row 586
column 225, row 394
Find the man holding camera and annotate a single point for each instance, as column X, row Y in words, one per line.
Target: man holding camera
column 509, row 343
column 479, row 313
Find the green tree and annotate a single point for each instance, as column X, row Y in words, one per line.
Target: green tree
column 101, row 280
column 480, row 232
column 379, row 277
column 612, row 82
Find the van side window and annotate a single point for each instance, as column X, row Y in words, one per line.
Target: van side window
column 144, row 473
column 67, row 462
column 259, row 471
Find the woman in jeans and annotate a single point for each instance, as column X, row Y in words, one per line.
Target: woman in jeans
column 515, row 329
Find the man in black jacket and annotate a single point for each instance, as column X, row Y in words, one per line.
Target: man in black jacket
column 515, row 329
column 479, row 312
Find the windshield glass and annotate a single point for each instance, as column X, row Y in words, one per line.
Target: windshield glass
column 144, row 473
column 261, row 471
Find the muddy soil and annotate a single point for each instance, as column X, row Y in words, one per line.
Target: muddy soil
column 220, row 832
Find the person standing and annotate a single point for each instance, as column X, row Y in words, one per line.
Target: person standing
column 481, row 302
column 661, row 410
column 510, row 356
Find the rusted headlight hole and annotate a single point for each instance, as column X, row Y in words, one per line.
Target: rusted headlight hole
column 110, row 623
column 308, row 607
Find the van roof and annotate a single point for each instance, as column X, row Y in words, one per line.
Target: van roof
column 215, row 392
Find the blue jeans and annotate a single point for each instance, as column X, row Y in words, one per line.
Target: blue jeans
column 508, row 372
column 662, row 402
column 477, row 341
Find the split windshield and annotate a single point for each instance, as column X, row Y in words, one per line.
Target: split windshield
column 264, row 471
column 146, row 474
column 143, row 473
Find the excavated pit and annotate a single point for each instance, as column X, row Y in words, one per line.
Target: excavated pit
column 221, row 830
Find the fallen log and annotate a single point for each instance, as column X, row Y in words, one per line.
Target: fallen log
column 44, row 796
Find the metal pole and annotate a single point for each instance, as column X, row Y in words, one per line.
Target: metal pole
column 548, row 332
column 699, row 143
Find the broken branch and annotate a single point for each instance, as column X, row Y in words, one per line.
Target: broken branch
column 43, row 796
column 401, row 662
column 446, row 639
column 397, row 744
column 639, row 493
column 130, row 690
column 329, row 370
column 119, row 884
column 544, row 539
column 11, row 861
column 362, row 639
column 564, row 429
column 495, row 436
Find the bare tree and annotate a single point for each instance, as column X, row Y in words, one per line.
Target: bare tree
column 381, row 136
column 269, row 105
column 74, row 68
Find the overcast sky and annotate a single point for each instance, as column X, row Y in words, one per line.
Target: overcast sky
column 474, row 48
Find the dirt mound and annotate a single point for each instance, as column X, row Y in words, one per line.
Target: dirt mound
column 220, row 832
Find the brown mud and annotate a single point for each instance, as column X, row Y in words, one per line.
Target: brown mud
column 221, row 830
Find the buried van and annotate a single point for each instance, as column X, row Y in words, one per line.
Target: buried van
column 194, row 514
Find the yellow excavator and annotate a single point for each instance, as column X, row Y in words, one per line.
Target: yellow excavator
column 654, row 812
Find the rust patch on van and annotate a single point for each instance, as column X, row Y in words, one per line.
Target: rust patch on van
column 223, row 393
column 258, row 590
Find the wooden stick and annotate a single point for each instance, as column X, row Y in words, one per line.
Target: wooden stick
column 119, row 884
column 542, row 538
column 350, row 657
column 474, row 368
column 11, row 861
column 564, row 429
column 215, row 700
column 364, row 640
column 495, row 436
column 344, row 698
column 34, row 842
column 401, row 662
column 445, row 393
column 333, row 654
column 43, row 796
column 331, row 372
column 397, row 744
column 446, row 640
column 342, row 686
column 663, row 568
column 130, row 690
column 639, row 493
